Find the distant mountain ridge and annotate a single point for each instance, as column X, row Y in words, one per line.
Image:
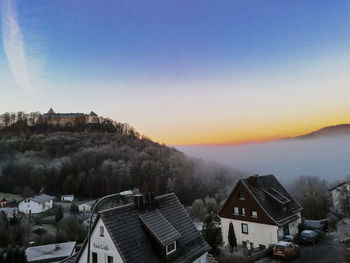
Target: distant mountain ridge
column 335, row 130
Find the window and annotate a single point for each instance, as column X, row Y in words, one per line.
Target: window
column 94, row 257
column 171, row 248
column 109, row 259
column 235, row 210
column 243, row 211
column 244, row 228
column 241, row 196
column 286, row 230
column 254, row 213
column 101, row 231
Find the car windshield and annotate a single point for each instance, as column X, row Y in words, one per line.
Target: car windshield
column 279, row 247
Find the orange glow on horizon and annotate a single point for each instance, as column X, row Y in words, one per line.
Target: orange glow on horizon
column 255, row 133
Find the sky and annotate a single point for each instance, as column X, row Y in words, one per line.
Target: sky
column 181, row 72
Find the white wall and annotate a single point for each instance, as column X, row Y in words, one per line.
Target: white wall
column 259, row 234
column 29, row 206
column 202, row 259
column 103, row 246
column 69, row 198
column 85, row 208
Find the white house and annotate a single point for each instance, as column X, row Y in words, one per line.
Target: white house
column 36, row 204
column 50, row 253
column 341, row 196
column 87, row 207
column 261, row 212
column 67, row 198
column 159, row 230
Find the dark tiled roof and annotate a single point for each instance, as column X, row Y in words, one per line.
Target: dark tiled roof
column 159, row 227
column 135, row 245
column 266, row 186
column 70, row 259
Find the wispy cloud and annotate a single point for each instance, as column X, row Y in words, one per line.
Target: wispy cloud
column 14, row 46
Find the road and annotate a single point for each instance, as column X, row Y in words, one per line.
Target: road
column 323, row 252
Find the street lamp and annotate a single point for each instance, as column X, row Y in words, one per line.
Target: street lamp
column 92, row 213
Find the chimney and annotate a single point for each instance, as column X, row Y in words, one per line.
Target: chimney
column 138, row 200
column 150, row 199
column 253, row 180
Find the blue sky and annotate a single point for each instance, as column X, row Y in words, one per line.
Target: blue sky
column 160, row 65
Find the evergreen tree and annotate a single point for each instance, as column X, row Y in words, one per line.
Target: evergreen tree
column 59, row 213
column 232, row 240
column 212, row 233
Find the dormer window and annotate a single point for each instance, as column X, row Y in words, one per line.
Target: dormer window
column 102, row 230
column 241, row 196
column 171, row 248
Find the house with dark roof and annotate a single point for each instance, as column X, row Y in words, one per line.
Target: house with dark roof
column 261, row 211
column 36, row 204
column 155, row 230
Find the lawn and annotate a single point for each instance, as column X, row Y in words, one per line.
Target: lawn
column 11, row 198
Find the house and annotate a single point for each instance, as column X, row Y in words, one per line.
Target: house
column 10, row 212
column 67, row 198
column 36, row 204
column 69, row 119
column 341, row 196
column 261, row 212
column 3, row 201
column 50, row 253
column 87, row 207
column 158, row 230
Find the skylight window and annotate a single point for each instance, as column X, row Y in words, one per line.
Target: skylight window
column 171, row 248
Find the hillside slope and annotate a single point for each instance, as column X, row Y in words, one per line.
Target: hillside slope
column 341, row 129
column 98, row 163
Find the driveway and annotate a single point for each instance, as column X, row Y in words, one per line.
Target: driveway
column 324, row 252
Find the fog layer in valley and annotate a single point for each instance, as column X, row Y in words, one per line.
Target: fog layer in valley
column 327, row 158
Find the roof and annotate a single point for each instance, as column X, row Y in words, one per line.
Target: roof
column 126, row 226
column 42, row 198
column 92, row 202
column 268, row 186
column 283, row 243
column 70, row 259
column 338, row 185
column 93, row 114
column 8, row 210
column 159, row 227
column 37, row 253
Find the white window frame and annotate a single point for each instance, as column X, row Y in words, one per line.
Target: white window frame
column 243, row 211
column 244, row 224
column 256, row 213
column 102, row 231
column 234, row 210
column 171, row 251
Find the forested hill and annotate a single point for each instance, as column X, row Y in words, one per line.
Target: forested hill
column 98, row 160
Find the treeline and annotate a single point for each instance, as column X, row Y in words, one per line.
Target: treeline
column 22, row 123
column 99, row 163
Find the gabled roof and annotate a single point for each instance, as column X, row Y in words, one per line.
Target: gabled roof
column 338, row 185
column 126, row 226
column 42, row 198
column 93, row 114
column 159, row 227
column 267, row 186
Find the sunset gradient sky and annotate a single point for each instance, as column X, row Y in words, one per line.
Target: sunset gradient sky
column 181, row 71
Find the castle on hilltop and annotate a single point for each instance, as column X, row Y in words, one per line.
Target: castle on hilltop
column 66, row 119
